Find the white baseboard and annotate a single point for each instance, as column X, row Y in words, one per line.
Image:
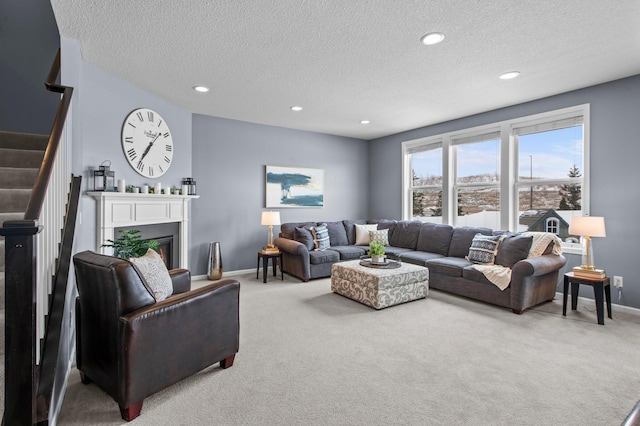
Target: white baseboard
column 614, row 307
column 225, row 274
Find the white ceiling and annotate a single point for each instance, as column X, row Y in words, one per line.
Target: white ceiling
column 350, row 60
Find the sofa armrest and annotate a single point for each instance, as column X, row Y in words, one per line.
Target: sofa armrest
column 167, row 341
column 291, row 246
column 540, row 265
column 181, row 279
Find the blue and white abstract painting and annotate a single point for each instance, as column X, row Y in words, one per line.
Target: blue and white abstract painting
column 294, row 187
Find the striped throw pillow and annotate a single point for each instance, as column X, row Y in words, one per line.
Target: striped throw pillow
column 320, row 237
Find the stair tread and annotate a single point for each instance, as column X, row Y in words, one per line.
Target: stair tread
column 14, row 200
column 21, row 158
column 28, row 141
column 22, row 178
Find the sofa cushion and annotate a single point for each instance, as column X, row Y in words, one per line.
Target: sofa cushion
column 474, row 275
column 350, row 252
column 462, row 238
column 394, row 252
column 484, row 248
column 362, row 233
column 155, row 273
column 513, row 249
column 337, row 234
column 324, row 256
column 350, row 228
column 379, row 236
column 448, row 266
column 434, row 238
column 405, row 234
column 303, row 235
column 418, row 257
column 320, row 237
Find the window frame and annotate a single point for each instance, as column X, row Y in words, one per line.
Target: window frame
column 508, row 184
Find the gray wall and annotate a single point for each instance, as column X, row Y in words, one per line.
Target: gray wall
column 229, row 166
column 100, row 104
column 615, row 150
column 25, row 104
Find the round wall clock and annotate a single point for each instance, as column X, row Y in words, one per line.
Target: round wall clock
column 147, row 143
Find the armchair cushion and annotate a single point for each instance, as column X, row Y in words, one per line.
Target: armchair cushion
column 155, row 274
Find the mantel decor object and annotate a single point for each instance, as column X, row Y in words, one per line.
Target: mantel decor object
column 214, row 268
column 104, row 178
column 190, row 186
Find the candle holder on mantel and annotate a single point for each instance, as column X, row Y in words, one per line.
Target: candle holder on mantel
column 190, row 184
column 104, row 179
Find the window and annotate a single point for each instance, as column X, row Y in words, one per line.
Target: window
column 426, row 184
column 477, row 186
column 529, row 173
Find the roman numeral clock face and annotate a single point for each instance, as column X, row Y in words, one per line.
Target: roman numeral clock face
column 147, row 143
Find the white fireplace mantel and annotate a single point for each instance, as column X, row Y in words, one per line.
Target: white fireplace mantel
column 119, row 209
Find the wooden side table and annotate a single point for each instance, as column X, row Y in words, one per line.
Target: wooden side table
column 599, row 285
column 265, row 255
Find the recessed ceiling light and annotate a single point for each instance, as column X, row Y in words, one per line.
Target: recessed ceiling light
column 432, row 38
column 201, row 89
column 296, row 108
column 364, row 122
column 509, row 75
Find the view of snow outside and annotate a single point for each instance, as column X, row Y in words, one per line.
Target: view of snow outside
column 550, row 155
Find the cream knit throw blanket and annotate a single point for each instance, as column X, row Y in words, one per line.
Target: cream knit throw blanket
column 501, row 275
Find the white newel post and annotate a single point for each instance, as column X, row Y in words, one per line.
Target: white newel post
column 118, row 209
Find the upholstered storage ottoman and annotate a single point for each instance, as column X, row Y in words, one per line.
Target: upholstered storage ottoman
column 379, row 288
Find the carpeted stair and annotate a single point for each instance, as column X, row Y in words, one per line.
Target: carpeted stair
column 20, row 158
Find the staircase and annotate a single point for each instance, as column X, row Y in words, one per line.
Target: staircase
column 20, row 158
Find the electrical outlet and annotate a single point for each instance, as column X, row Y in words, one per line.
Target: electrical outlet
column 617, row 281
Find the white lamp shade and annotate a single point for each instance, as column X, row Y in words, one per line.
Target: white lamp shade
column 587, row 226
column 270, row 218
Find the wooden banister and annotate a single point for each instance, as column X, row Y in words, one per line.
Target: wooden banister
column 34, row 208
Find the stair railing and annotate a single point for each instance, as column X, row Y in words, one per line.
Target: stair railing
column 31, row 250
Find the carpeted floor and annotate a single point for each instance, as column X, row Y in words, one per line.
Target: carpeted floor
column 311, row 357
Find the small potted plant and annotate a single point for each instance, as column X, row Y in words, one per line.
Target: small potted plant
column 376, row 251
column 130, row 244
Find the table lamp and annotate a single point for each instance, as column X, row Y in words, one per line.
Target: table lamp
column 587, row 227
column 270, row 218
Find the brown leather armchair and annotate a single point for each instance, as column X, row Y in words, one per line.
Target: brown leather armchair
column 133, row 347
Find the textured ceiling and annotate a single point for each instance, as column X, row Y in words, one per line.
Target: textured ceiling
column 351, row 60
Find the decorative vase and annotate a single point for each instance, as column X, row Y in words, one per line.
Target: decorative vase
column 214, row 269
column 376, row 258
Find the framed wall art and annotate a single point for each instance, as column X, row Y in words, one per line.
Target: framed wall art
column 294, row 187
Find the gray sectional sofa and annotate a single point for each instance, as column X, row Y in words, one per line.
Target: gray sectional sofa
column 441, row 248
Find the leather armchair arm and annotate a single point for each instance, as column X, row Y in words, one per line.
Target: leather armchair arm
column 200, row 327
column 181, row 279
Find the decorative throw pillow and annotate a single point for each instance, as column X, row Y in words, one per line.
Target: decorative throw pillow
column 484, row 248
column 320, row 237
column 513, row 249
column 155, row 273
column 362, row 234
column 380, row 236
column 303, row 235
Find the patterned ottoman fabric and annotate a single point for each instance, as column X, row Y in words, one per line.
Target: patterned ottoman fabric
column 379, row 288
